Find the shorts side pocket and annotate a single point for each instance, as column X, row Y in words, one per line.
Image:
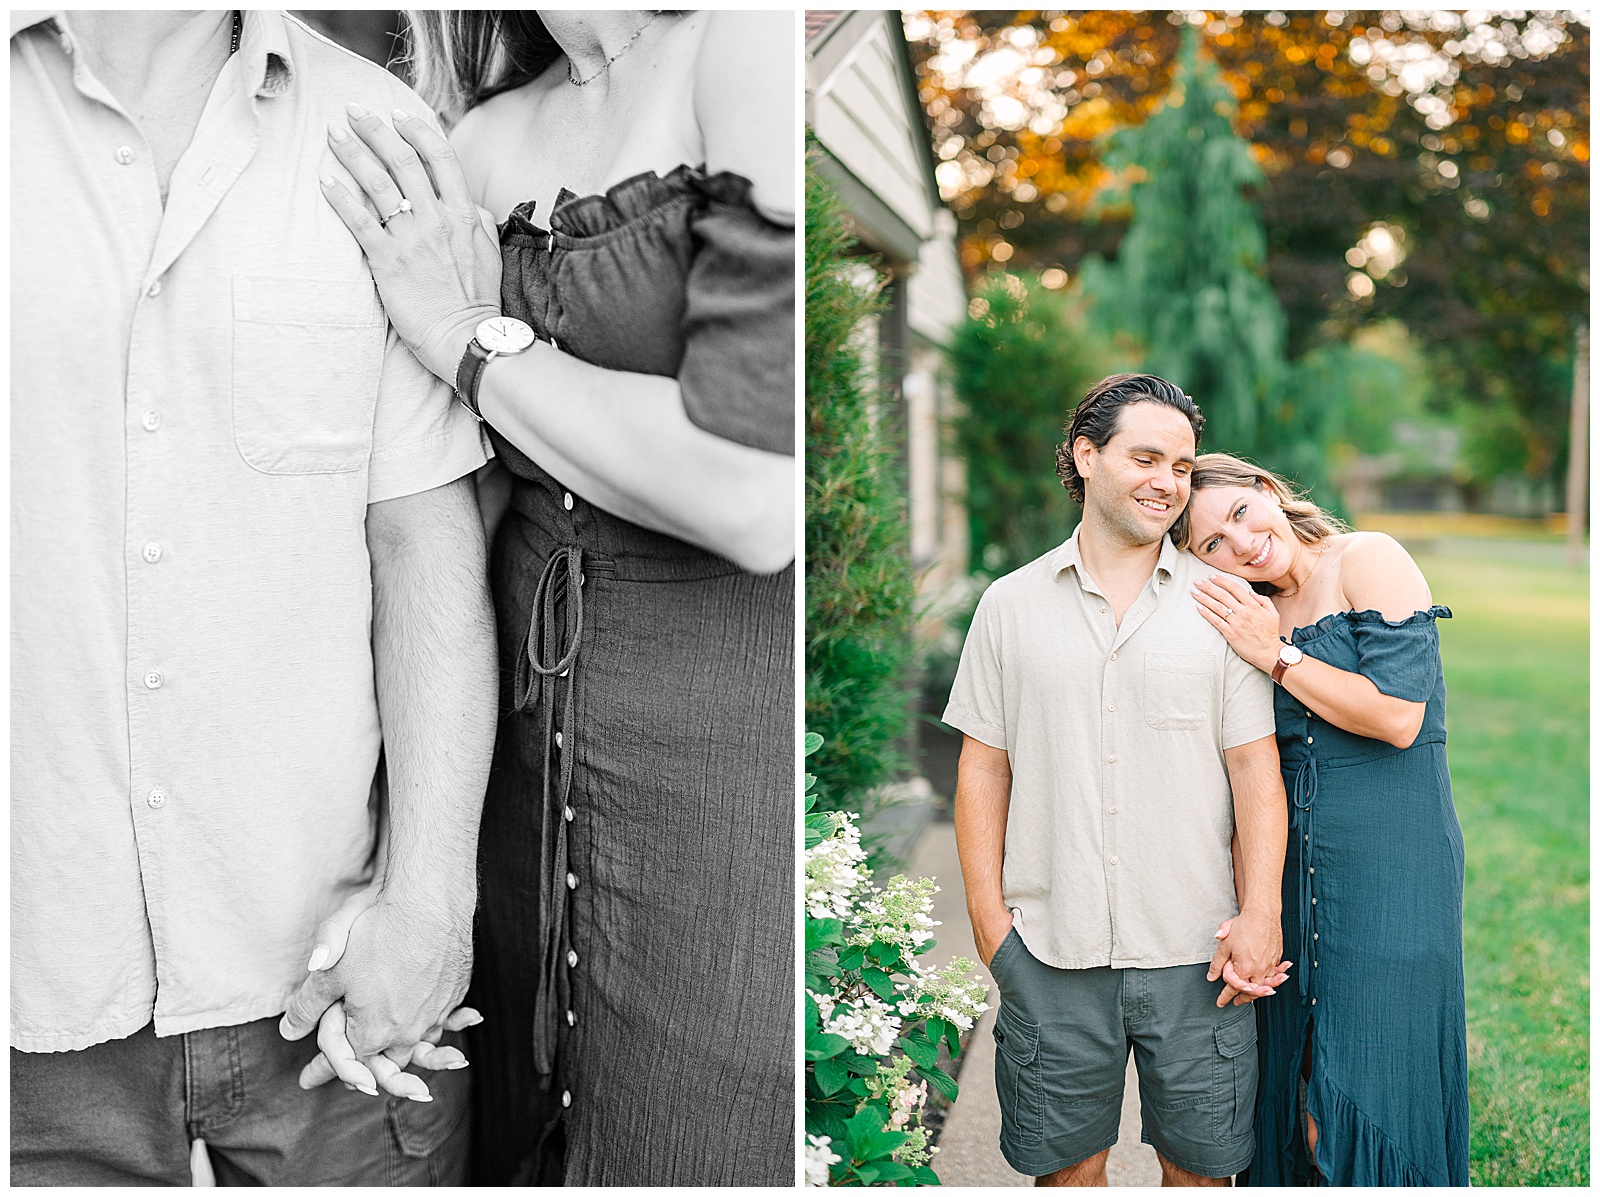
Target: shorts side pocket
column 1235, row 1075
column 1017, row 1078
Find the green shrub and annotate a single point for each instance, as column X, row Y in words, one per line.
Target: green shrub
column 858, row 569
column 1020, row 363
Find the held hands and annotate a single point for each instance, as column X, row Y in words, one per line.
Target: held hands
column 433, row 252
column 1247, row 944
column 382, row 1009
column 1246, row 619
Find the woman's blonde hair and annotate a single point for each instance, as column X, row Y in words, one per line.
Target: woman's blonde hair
column 1309, row 522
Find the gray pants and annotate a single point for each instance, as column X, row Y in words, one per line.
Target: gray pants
column 126, row 1112
column 1063, row 1037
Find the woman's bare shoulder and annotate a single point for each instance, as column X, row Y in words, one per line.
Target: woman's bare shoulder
column 1377, row 574
column 745, row 103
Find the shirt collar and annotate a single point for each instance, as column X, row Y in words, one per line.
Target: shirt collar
column 263, row 45
column 264, row 51
column 1067, row 555
column 27, row 18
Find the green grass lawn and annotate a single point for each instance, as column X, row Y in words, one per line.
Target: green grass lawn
column 1516, row 660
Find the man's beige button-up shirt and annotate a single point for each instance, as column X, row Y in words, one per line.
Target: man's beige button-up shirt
column 205, row 397
column 1118, row 836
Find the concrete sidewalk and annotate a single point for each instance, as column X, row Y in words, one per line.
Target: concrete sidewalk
column 969, row 1147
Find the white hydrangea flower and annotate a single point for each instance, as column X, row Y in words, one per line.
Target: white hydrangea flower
column 870, row 1025
column 955, row 996
column 834, row 870
column 899, row 914
column 819, row 1158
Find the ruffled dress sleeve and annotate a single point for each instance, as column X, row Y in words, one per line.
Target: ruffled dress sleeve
column 737, row 375
column 1401, row 659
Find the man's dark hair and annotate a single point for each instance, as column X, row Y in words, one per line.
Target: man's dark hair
column 1101, row 410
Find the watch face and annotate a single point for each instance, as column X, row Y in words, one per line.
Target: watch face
column 1290, row 655
column 504, row 334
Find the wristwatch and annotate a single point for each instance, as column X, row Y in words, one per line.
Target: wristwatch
column 498, row 336
column 1287, row 655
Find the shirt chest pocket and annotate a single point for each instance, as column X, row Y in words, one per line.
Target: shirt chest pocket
column 307, row 360
column 1177, row 690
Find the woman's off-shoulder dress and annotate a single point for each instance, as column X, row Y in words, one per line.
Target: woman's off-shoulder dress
column 635, row 932
column 1372, row 893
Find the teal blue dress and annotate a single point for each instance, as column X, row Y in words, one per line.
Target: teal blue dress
column 1372, row 892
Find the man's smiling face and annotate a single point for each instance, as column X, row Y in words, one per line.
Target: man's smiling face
column 1137, row 483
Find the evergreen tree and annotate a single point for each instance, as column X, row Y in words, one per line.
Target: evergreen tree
column 858, row 569
column 1189, row 282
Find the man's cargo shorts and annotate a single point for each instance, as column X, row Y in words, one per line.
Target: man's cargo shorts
column 1062, row 1038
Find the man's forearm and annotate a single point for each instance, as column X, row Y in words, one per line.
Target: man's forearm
column 1261, row 821
column 983, row 799
column 435, row 668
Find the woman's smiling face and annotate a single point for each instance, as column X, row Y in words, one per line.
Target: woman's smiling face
column 1242, row 531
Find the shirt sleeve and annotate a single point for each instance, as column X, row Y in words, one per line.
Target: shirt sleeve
column 737, row 375
column 977, row 698
column 421, row 437
column 1247, row 713
column 1401, row 659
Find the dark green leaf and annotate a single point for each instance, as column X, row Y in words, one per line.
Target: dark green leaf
column 940, row 1080
column 923, row 1054
column 936, row 1028
column 880, row 983
column 925, row 1175
column 831, row 1075
column 892, row 1171
column 813, row 742
column 823, row 1046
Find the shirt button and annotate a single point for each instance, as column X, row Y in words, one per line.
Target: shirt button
column 572, row 958
column 1314, row 935
column 125, row 155
column 566, row 500
column 1113, row 810
column 1313, row 872
column 157, row 799
column 1111, row 760
column 567, row 813
column 155, row 289
column 1313, row 900
column 1314, row 964
column 1113, row 860
column 152, row 553
column 1309, row 740
column 566, row 1098
column 572, row 881
column 1313, row 1001
column 151, row 421
column 1102, row 606
column 572, row 1019
column 1113, row 656
column 1112, row 707
column 558, row 739
column 153, row 680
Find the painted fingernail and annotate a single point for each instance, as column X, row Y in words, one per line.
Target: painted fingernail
column 420, row 1097
column 338, row 132
column 357, row 111
column 453, row 1067
column 400, row 114
column 367, row 1091
column 318, row 959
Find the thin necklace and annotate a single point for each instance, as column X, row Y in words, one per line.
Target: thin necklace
column 606, row 65
column 238, row 28
column 1307, row 578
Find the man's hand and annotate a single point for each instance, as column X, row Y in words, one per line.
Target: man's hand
column 404, row 971
column 1248, row 958
column 989, row 930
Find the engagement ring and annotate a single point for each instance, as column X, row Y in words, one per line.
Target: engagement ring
column 405, row 206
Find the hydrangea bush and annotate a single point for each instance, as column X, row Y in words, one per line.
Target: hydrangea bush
column 874, row 1016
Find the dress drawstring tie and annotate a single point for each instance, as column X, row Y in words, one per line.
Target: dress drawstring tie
column 556, row 627
column 1303, row 825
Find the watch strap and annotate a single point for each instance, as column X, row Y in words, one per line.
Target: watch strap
column 467, row 375
column 1281, row 668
